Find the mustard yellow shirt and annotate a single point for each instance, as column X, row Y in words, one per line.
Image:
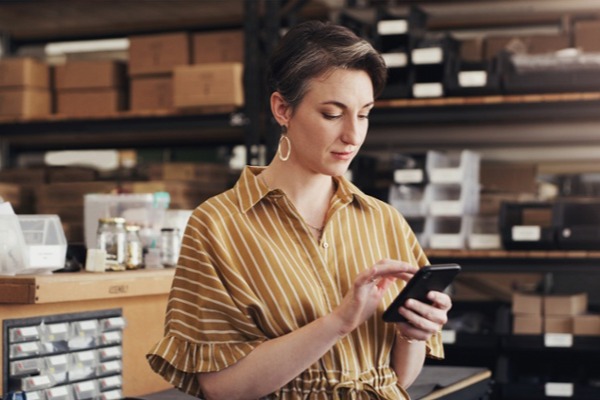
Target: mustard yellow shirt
column 250, row 270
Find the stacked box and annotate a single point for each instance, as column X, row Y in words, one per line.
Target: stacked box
column 90, row 88
column 152, row 59
column 24, row 88
column 19, row 185
column 209, row 85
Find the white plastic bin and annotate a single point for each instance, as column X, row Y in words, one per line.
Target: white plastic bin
column 13, row 254
column 453, row 167
column 45, row 240
column 452, row 199
column 409, row 200
column 146, row 210
column 483, row 232
column 446, row 232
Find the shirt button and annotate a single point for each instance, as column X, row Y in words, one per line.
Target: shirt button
column 325, row 245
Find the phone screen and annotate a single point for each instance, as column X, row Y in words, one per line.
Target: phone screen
column 431, row 277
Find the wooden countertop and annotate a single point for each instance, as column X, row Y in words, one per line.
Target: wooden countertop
column 77, row 286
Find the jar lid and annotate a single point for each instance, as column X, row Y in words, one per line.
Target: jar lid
column 132, row 228
column 112, row 220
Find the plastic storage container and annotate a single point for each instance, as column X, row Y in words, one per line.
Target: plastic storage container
column 453, row 167
column 146, row 210
column 13, row 254
column 577, row 224
column 483, row 233
column 408, row 199
column 527, row 226
column 446, row 232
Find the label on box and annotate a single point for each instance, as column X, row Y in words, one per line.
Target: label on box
column 432, row 55
column 392, row 27
column 472, row 78
column 446, row 241
column 28, row 332
column 526, row 233
column 446, row 208
column 395, row 60
column 434, row 89
column 408, row 176
column 558, row 389
column 484, row 241
column 446, row 175
column 448, row 336
column 110, row 382
column 558, row 340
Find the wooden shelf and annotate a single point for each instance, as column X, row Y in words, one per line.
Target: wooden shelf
column 78, row 286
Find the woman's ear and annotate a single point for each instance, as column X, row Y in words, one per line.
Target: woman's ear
column 280, row 108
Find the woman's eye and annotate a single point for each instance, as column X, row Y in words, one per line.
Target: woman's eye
column 366, row 116
column 331, row 116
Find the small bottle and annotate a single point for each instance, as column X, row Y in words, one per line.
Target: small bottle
column 169, row 246
column 133, row 259
column 112, row 239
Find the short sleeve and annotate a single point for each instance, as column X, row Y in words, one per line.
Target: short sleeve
column 207, row 328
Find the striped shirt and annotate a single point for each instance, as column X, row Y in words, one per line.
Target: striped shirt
column 250, row 270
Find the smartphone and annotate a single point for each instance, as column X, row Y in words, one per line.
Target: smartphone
column 431, row 277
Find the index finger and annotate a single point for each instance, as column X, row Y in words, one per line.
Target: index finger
column 393, row 268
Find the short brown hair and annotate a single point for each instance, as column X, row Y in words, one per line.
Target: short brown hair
column 312, row 48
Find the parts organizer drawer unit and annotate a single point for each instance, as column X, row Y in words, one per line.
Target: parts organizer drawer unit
column 64, row 357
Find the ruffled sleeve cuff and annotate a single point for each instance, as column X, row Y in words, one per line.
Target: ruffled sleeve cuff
column 178, row 361
column 434, row 347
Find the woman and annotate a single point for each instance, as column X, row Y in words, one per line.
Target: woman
column 283, row 279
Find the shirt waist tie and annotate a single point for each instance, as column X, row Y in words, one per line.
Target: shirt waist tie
column 355, row 387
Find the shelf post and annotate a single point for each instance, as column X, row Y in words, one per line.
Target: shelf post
column 252, row 81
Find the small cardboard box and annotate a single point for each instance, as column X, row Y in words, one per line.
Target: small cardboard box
column 71, row 174
column 586, row 36
column 215, row 47
column 587, row 324
column 89, row 74
column 158, row 54
column 181, row 171
column 93, row 102
column 218, row 84
column 573, row 304
column 24, row 72
column 25, row 103
column 508, row 177
column 526, row 304
column 471, row 50
column 527, row 324
column 71, row 193
column 151, row 93
column 558, row 324
column 20, row 175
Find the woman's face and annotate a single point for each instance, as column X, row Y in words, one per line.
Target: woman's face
column 330, row 124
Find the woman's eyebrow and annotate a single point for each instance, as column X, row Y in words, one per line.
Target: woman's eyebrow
column 343, row 106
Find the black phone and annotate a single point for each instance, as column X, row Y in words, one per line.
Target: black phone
column 430, row 277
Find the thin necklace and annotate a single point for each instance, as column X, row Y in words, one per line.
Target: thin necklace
column 320, row 230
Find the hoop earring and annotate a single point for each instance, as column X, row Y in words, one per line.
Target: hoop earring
column 289, row 144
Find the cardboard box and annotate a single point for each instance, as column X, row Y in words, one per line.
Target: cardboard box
column 180, row 171
column 536, row 217
column 471, row 50
column 487, row 286
column 508, row 177
column 24, row 72
column 71, row 174
column 86, row 103
column 215, row 47
column 490, row 203
column 89, row 75
column 158, row 54
column 558, row 324
column 62, row 194
column 151, row 93
column 219, row 84
column 527, row 324
column 25, row 103
column 20, row 175
column 588, row 324
column 526, row 304
column 586, row 34
column 565, row 304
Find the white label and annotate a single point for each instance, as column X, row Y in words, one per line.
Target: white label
column 27, row 332
column 408, row 175
column 110, row 337
column 558, row 340
column 446, row 208
column 526, row 233
column 112, row 381
column 484, row 241
column 57, row 328
column 472, row 78
column 111, row 366
column 111, row 352
column 446, row 175
column 432, row 55
column 84, row 386
column 88, row 325
column 558, row 389
column 60, row 391
column 395, row 60
column 37, row 381
column 448, row 336
column 31, row 347
column 392, row 27
column 116, row 322
column 434, row 89
column 112, row 395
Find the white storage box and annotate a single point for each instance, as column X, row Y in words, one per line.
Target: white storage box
column 31, row 244
column 417, row 224
column 146, row 210
column 452, row 199
column 409, row 200
column 446, row 232
column 483, row 232
column 453, row 167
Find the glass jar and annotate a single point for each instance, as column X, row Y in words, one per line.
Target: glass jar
column 112, row 239
column 133, row 259
column 170, row 244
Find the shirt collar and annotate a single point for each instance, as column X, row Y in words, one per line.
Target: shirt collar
column 250, row 189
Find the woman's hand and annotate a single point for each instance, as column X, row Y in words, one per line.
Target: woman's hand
column 367, row 291
column 424, row 319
